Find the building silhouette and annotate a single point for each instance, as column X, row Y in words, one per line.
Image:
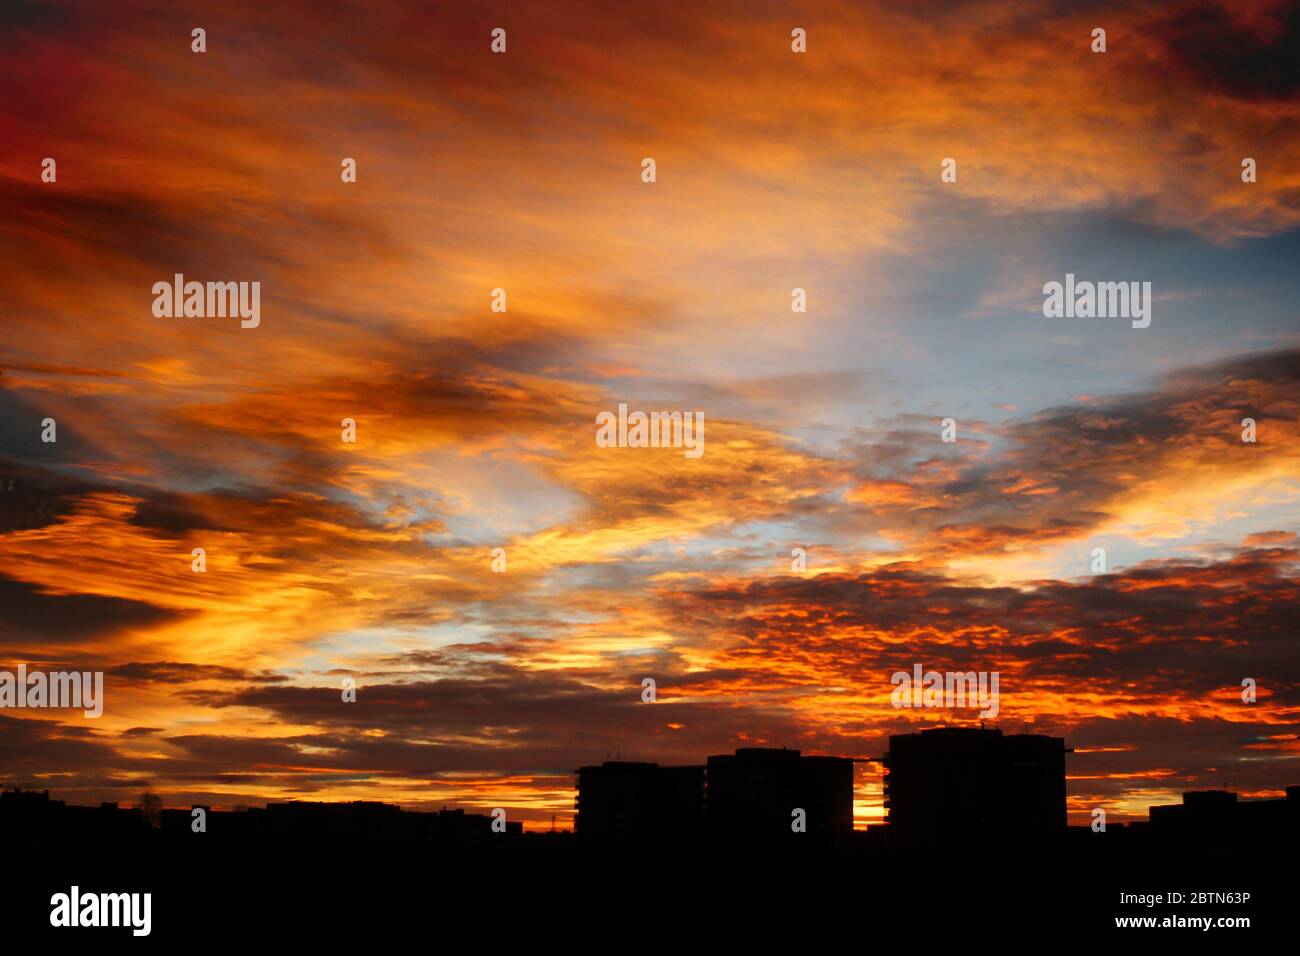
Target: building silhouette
column 753, row 795
column 293, row 822
column 746, row 798
column 1213, row 823
column 966, row 786
column 625, row 802
column 945, row 789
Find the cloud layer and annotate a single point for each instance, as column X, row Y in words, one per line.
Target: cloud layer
column 475, row 429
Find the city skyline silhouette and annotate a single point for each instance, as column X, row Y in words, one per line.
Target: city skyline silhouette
column 518, row 464
column 948, row 787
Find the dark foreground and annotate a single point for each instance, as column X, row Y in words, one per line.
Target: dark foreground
column 553, row 893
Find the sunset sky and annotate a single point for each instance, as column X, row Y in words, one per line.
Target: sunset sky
column 476, row 430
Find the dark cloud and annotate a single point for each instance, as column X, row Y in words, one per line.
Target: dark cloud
column 147, row 233
column 1064, row 471
column 1128, row 636
column 173, row 672
column 1208, row 46
column 31, row 749
column 516, row 717
column 24, row 453
column 33, row 497
column 31, row 620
